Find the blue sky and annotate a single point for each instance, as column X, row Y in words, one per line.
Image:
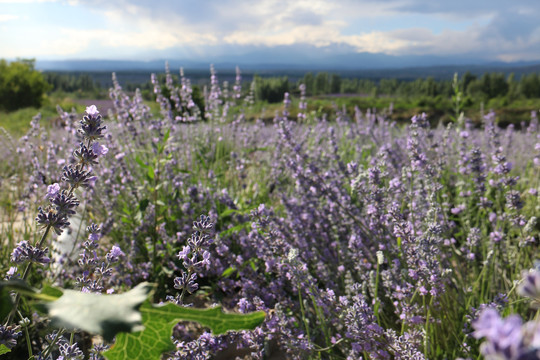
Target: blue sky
column 194, row 29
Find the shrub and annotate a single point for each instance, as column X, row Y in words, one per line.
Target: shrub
column 21, row 85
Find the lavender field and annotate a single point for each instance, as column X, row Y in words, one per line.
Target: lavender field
column 339, row 235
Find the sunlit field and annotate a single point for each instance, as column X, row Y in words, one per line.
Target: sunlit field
column 335, row 234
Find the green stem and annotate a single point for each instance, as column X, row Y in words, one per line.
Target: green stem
column 27, row 336
column 55, row 340
column 184, row 288
column 25, row 276
column 377, row 304
column 302, row 311
column 428, row 316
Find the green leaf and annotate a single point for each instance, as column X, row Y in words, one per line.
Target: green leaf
column 17, row 285
column 105, row 315
column 166, row 137
column 140, row 162
column 228, row 212
column 143, row 204
column 151, row 173
column 227, row 272
column 52, row 291
column 253, row 265
column 47, row 294
column 161, row 145
column 4, row 349
column 252, row 150
column 235, row 229
column 159, row 321
column 6, row 305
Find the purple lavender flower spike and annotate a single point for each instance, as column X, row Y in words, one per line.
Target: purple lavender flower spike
column 506, row 338
column 99, row 149
column 9, row 335
column 52, row 190
column 26, row 252
column 115, row 254
column 530, row 286
column 49, row 217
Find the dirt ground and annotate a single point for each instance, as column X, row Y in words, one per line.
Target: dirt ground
column 102, row 105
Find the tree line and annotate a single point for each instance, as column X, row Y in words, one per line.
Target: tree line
column 482, row 88
column 71, row 82
column 23, row 86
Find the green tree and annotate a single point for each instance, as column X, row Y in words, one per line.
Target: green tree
column 429, row 87
column 513, row 87
column 530, row 85
column 271, row 89
column 21, row 85
column 308, row 81
column 475, row 90
column 321, row 83
column 388, row 86
column 494, row 84
column 466, row 79
column 335, row 84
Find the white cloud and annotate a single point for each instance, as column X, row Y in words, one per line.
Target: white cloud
column 8, row 17
column 494, row 28
column 25, row 1
column 161, row 24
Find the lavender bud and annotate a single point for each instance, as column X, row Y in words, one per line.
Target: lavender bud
column 76, row 177
column 187, row 282
column 204, row 225
column 65, row 203
column 71, row 352
column 115, row 254
column 26, row 252
column 9, row 335
column 49, row 217
column 85, row 156
column 91, row 128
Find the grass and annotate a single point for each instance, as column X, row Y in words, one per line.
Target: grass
column 18, row 122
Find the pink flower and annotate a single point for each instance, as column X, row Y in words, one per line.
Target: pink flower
column 52, row 190
column 99, row 149
column 92, row 110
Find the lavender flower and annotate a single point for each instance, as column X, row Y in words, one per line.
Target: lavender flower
column 26, row 252
column 9, row 335
column 195, row 256
column 99, row 149
column 85, row 156
column 71, row 352
column 52, row 190
column 91, row 125
column 530, row 285
column 76, row 177
column 64, row 203
column 186, row 281
column 506, row 338
column 50, row 218
column 115, row 254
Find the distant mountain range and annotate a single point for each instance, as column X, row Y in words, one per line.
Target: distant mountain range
column 283, row 59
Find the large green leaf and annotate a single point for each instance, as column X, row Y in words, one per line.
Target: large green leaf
column 6, row 303
column 159, row 320
column 4, row 349
column 105, row 315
